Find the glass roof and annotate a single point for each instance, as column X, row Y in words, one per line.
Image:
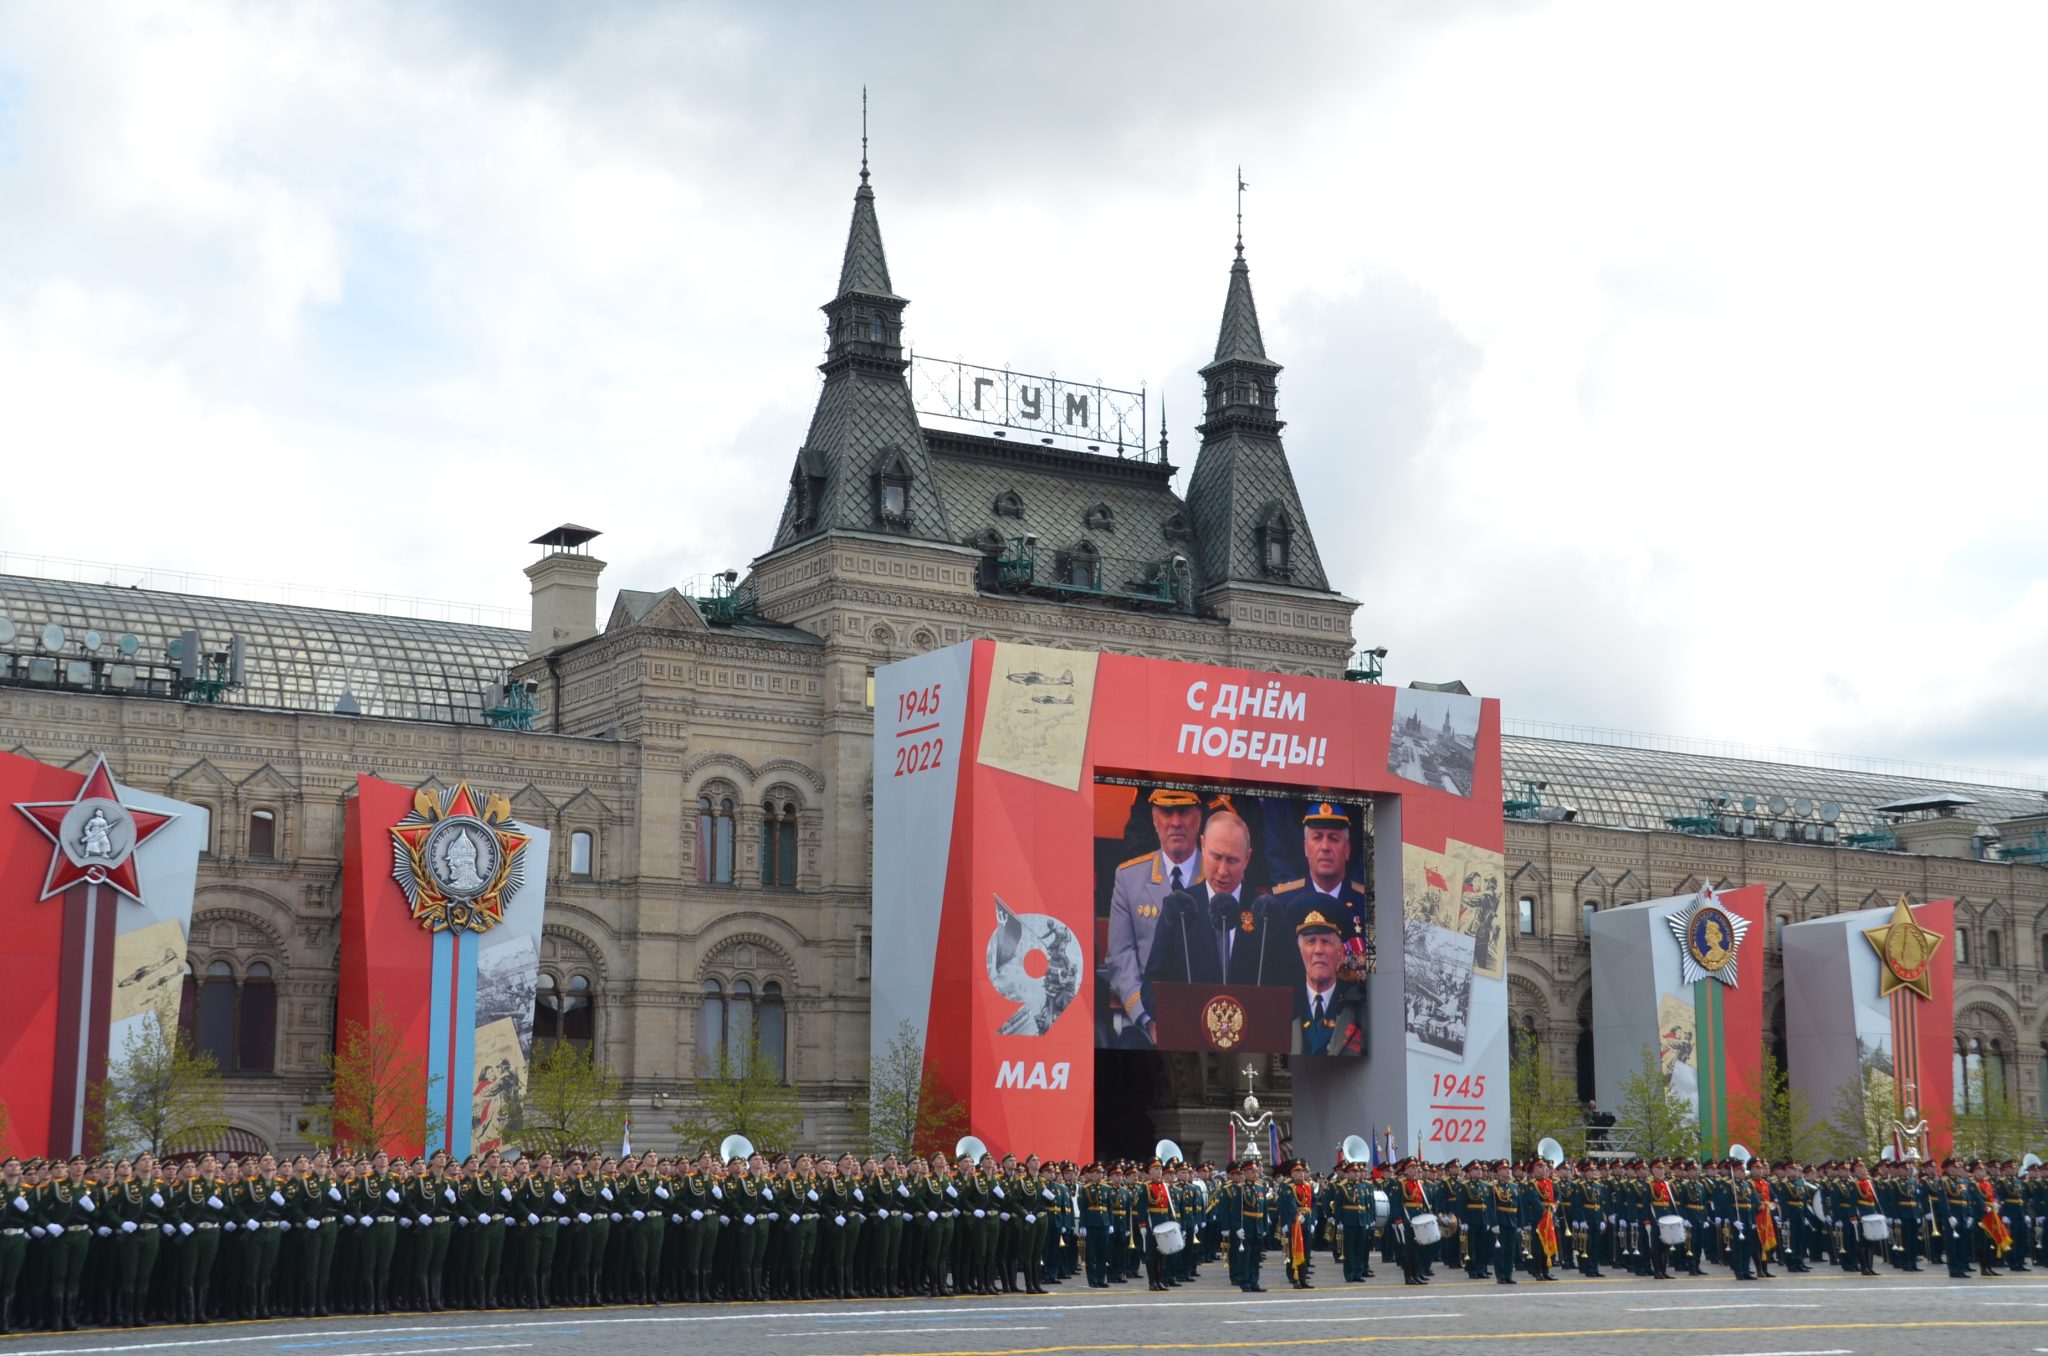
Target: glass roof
column 1638, row 788
column 296, row 658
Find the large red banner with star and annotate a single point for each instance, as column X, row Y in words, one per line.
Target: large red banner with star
column 96, row 886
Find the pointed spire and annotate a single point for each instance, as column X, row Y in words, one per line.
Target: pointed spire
column 1238, row 338
column 865, row 267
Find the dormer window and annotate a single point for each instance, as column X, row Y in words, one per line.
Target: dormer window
column 1177, row 527
column 892, row 492
column 1101, row 518
column 1009, row 505
column 1081, row 568
column 1276, row 543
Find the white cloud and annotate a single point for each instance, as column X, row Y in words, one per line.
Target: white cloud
column 1648, row 367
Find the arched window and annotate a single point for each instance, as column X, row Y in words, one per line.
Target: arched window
column 710, row 1028
column 188, row 1008
column 1083, row 568
column 262, row 833
column 565, row 1012
column 1586, row 912
column 714, row 840
column 1962, row 946
column 581, row 845
column 216, row 1024
column 771, row 1028
column 256, row 1039
column 1994, row 1069
column 1994, row 951
column 1525, row 915
column 739, row 1025
column 547, row 1019
column 778, row 843
column 1781, row 922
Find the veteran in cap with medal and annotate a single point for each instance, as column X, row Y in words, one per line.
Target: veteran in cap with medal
column 1329, row 1011
column 1330, row 886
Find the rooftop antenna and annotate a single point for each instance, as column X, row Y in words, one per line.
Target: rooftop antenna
column 1241, row 187
column 1162, row 427
column 864, row 135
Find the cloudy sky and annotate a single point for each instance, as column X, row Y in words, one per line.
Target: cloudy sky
column 1666, row 368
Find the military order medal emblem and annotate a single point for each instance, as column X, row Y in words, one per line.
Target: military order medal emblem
column 457, row 864
column 1223, row 1020
column 1904, row 948
column 1708, row 938
column 1244, row 920
column 94, row 836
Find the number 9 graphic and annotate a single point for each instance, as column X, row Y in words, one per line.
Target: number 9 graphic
column 1024, row 943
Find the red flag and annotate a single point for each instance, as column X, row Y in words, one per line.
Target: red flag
column 1435, row 877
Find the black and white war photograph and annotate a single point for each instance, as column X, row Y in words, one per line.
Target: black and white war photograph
column 1438, row 991
column 1435, row 740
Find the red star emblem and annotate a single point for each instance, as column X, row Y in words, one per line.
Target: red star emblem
column 109, row 858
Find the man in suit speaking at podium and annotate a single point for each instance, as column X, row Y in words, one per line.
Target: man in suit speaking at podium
column 1211, row 934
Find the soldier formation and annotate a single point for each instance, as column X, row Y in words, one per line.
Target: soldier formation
column 122, row 1244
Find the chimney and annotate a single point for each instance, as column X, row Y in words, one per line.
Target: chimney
column 564, row 589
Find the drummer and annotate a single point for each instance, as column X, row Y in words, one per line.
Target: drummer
column 1414, row 1222
column 1159, row 1210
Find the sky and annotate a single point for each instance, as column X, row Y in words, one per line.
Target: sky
column 1673, row 368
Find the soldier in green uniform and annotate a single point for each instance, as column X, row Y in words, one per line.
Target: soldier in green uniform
column 377, row 1203
column 1256, row 1202
column 68, row 1209
column 17, row 1210
column 143, row 1208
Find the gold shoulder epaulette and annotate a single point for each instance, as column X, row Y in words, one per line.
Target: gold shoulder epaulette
column 1290, row 885
column 1141, row 857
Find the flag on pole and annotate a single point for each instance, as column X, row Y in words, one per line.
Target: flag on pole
column 626, row 1144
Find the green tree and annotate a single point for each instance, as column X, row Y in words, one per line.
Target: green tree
column 159, row 1095
column 1992, row 1126
column 378, row 1093
column 907, row 1110
column 1542, row 1103
column 1653, row 1121
column 1860, row 1124
column 570, row 1104
column 744, row 1097
column 1773, row 1119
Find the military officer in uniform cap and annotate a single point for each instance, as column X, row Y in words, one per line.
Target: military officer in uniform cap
column 1329, row 1013
column 1326, row 846
column 1141, row 887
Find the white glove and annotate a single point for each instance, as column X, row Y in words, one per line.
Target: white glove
column 696, row 1214
column 605, row 1192
column 156, row 1199
column 448, row 1194
column 999, row 1193
column 857, row 1196
column 1048, row 1195
column 392, row 1195
column 504, row 1193
column 103, row 1231
column 532, row 1219
column 35, row 1230
column 774, row 1215
column 723, row 1221
column 615, row 1217
column 482, row 1218
column 334, row 1193
column 981, row 1214
column 426, row 1221
column 1005, row 1215
column 277, row 1198
column 661, row 1192
column 560, row 1199
column 932, row 1216
column 1240, row 1233
column 284, row 1226
column 953, row 1192
column 462, row 1221
column 675, row 1219
column 229, row 1226
column 185, row 1229
column 749, row 1219
column 582, row 1218
column 405, row 1221
column 767, row 1193
column 168, row 1231
column 639, row 1216
column 1030, row 1219
column 812, row 1195
column 839, row 1220
column 365, row 1221
column 903, row 1191
column 127, row 1226
column 314, row 1225
column 348, row 1219
column 21, row 1204
column 881, row 1214
column 717, row 1194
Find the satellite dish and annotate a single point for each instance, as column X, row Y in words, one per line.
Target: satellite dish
column 1356, row 1150
column 91, row 640
column 735, row 1146
column 1802, row 807
column 1777, row 804
column 1738, row 1153
column 53, row 637
column 1830, row 812
column 6, row 631
column 2030, row 1162
column 1749, row 805
column 128, row 645
column 1166, row 1151
column 970, row 1147
column 1550, row 1151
